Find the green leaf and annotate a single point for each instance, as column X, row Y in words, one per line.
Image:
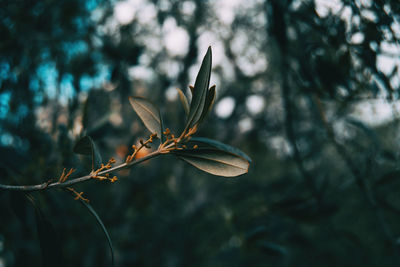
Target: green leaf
column 214, row 161
column 20, row 205
column 256, row 233
column 210, row 97
column 86, row 146
column 200, row 90
column 48, row 237
column 273, row 249
column 85, row 114
column 162, row 137
column 100, row 222
column 49, row 241
column 148, row 113
column 216, row 144
column 184, row 101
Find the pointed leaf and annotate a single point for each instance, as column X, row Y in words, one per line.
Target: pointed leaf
column 200, row 89
column 86, row 146
column 148, row 113
column 162, row 137
column 216, row 144
column 49, row 241
column 85, row 114
column 48, row 238
column 103, row 228
column 210, row 97
column 184, row 101
column 217, row 162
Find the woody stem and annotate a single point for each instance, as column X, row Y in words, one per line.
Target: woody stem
column 45, row 186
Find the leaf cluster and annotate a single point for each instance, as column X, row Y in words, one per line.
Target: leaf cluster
column 205, row 154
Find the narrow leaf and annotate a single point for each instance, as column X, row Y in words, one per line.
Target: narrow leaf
column 148, row 113
column 216, row 144
column 256, row 233
column 20, row 205
column 210, row 97
column 162, row 137
column 48, row 238
column 273, row 249
column 184, row 101
column 86, row 146
column 100, row 222
column 214, row 161
column 85, row 114
column 200, row 89
column 49, row 242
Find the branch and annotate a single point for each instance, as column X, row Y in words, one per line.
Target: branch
column 289, row 126
column 46, row 185
column 291, row 135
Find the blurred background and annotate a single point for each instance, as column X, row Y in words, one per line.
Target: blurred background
column 308, row 89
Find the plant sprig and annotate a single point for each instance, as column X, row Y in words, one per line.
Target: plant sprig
column 205, row 154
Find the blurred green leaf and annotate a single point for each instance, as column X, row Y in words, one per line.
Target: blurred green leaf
column 219, row 145
column 200, row 90
column 148, row 113
column 184, row 101
column 49, row 242
column 86, row 146
column 100, row 126
column 48, row 238
column 273, row 249
column 256, row 233
column 214, row 161
column 85, row 114
column 103, row 228
column 19, row 204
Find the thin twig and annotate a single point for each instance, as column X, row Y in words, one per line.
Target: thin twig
column 46, row 185
column 289, row 127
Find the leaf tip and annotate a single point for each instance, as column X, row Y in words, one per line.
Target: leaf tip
column 209, row 51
